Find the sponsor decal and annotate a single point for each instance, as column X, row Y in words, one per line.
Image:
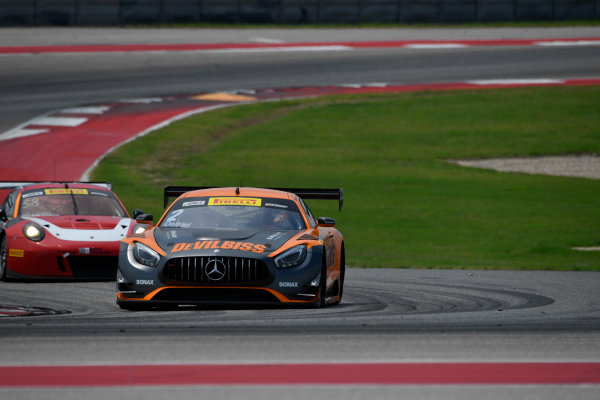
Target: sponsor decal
column 275, row 205
column 274, row 235
column 86, row 251
column 193, row 203
column 234, row 201
column 173, row 220
column 65, row 191
column 100, row 194
column 217, row 244
column 16, row 253
column 26, row 195
column 288, row 284
column 144, row 282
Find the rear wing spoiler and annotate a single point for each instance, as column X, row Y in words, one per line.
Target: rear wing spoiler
column 6, row 187
column 315, row 194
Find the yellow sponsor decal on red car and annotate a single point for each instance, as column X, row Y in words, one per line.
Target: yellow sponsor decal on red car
column 234, row 201
column 65, row 191
column 217, row 244
column 16, row 253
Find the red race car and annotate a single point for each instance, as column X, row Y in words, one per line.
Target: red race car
column 63, row 230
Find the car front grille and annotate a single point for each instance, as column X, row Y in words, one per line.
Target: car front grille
column 90, row 267
column 216, row 270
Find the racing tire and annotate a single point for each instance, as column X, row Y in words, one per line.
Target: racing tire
column 342, row 275
column 321, row 301
column 342, row 271
column 3, row 258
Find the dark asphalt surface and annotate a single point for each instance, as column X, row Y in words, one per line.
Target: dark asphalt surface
column 387, row 315
column 381, row 302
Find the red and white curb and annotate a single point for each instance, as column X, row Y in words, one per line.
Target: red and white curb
column 478, row 373
column 66, row 144
column 272, row 46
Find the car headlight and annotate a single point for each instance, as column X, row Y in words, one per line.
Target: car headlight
column 291, row 258
column 139, row 229
column 145, row 255
column 33, row 231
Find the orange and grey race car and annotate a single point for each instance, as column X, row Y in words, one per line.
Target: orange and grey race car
column 232, row 246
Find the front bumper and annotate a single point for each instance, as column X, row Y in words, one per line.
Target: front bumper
column 56, row 259
column 260, row 283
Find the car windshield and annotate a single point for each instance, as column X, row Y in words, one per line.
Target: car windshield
column 234, row 213
column 72, row 201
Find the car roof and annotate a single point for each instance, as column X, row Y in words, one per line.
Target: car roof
column 241, row 192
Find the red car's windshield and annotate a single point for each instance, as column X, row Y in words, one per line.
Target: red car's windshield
column 72, row 201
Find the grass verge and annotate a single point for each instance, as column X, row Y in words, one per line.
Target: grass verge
column 405, row 205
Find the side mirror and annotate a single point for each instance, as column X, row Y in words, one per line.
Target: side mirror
column 3, row 216
column 145, row 217
column 141, row 216
column 326, row 221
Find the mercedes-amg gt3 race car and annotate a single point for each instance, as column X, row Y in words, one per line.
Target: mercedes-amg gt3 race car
column 234, row 245
column 62, row 230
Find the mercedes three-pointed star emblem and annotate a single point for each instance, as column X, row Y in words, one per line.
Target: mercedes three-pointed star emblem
column 215, row 270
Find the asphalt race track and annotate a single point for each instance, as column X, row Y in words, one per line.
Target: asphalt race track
column 486, row 334
column 386, row 317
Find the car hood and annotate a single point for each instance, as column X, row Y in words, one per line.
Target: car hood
column 84, row 228
column 87, row 222
column 174, row 240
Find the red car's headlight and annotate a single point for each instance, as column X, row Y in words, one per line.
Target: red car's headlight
column 33, row 232
column 138, row 229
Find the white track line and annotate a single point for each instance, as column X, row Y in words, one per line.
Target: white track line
column 58, row 121
column 86, row 110
column 543, row 81
column 568, row 43
column 143, row 100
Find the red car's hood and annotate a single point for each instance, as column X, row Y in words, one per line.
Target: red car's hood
column 85, row 228
column 89, row 222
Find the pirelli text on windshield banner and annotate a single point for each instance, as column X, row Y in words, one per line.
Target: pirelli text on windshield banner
column 234, row 201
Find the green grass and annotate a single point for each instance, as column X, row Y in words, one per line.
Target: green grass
column 405, row 204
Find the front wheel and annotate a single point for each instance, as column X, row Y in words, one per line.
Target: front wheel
column 342, row 275
column 322, row 287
